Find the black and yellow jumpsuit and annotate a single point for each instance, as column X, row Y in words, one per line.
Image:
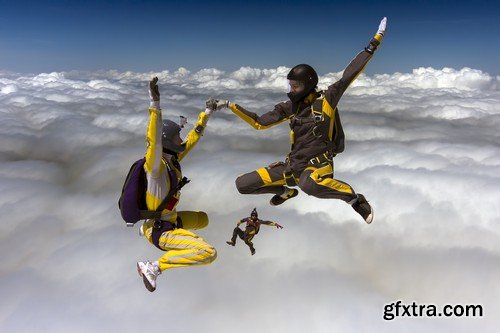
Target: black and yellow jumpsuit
column 316, row 137
column 251, row 229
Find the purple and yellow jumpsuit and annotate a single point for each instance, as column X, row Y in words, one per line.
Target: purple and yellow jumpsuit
column 183, row 247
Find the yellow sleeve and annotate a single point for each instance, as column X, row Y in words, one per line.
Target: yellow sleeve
column 153, row 143
column 195, row 134
column 269, row 119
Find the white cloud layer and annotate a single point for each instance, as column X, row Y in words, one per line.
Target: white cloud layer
column 424, row 147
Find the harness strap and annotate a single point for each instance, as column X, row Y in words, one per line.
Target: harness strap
column 323, row 158
column 288, row 175
column 306, row 120
column 161, row 226
column 317, row 107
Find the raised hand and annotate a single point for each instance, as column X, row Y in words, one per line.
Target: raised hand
column 382, row 26
column 154, row 93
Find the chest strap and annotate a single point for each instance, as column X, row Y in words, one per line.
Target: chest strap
column 160, row 226
column 325, row 158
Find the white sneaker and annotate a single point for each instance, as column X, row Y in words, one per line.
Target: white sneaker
column 149, row 272
column 141, row 230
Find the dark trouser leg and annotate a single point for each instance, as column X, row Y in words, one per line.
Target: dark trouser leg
column 264, row 180
column 248, row 241
column 237, row 232
column 319, row 182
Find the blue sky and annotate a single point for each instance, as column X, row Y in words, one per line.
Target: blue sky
column 46, row 36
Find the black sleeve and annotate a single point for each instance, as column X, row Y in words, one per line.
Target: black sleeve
column 281, row 112
column 355, row 67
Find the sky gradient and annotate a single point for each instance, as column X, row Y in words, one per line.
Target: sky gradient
column 46, row 36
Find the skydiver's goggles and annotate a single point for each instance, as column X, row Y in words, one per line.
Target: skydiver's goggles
column 296, row 86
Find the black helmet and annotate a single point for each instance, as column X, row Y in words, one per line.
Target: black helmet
column 307, row 76
column 169, row 132
column 254, row 213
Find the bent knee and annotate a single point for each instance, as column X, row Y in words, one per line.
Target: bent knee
column 193, row 220
column 211, row 254
column 307, row 185
column 240, row 184
column 247, row 183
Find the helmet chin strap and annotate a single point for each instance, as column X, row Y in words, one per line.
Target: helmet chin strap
column 299, row 97
column 294, row 97
column 169, row 152
column 174, row 153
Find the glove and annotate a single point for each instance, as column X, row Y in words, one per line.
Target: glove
column 382, row 26
column 375, row 41
column 278, row 226
column 154, row 94
column 222, row 103
column 182, row 121
column 211, row 104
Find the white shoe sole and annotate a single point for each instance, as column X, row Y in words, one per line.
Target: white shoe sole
column 147, row 284
column 369, row 219
column 139, row 269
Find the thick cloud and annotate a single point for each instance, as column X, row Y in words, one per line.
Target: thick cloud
column 422, row 146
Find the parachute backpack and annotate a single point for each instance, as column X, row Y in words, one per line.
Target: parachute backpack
column 132, row 202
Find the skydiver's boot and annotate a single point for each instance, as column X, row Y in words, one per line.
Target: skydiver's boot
column 363, row 208
column 287, row 194
column 252, row 250
column 232, row 242
column 149, row 272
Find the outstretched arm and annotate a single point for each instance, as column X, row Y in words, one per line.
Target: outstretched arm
column 268, row 119
column 153, row 132
column 280, row 113
column 355, row 67
column 197, row 132
column 271, row 224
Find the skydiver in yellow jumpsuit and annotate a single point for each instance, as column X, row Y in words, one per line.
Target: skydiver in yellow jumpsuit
column 165, row 149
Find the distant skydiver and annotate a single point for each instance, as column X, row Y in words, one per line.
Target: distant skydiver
column 252, row 228
column 165, row 149
column 316, row 137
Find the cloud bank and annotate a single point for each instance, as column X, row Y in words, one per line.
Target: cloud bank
column 422, row 146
